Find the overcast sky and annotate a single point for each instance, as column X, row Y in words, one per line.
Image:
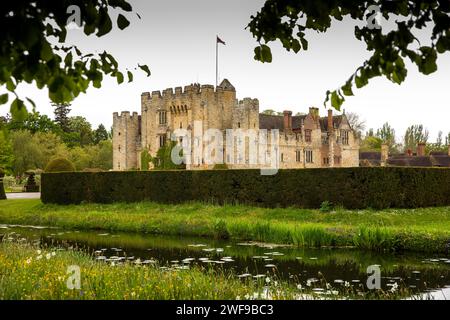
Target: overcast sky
column 176, row 39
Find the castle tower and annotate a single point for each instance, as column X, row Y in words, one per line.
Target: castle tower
column 126, row 141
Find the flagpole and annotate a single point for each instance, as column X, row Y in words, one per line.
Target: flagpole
column 217, row 61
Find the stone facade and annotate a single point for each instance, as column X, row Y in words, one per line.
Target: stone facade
column 307, row 141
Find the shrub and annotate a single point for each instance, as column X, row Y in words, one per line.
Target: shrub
column 326, row 206
column 352, row 188
column 2, row 190
column 60, row 165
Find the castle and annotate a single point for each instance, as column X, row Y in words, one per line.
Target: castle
column 304, row 141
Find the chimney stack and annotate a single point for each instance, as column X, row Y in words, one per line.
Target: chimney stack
column 330, row 121
column 421, row 149
column 287, row 120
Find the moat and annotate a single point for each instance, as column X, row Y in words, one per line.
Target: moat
column 426, row 275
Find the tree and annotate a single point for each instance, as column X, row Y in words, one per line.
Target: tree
column 33, row 122
column 387, row 134
column 269, row 112
column 6, row 152
column 62, row 111
column 82, row 128
column 100, row 134
column 447, row 139
column 358, row 125
column 33, row 48
column 371, row 143
column 413, row 135
column 288, row 22
column 27, row 153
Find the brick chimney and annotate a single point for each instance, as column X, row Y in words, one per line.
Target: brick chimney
column 421, row 149
column 409, row 152
column 330, row 121
column 287, row 120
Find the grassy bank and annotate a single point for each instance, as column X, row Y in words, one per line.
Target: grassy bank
column 29, row 272
column 426, row 229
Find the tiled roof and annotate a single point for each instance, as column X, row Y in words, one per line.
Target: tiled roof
column 277, row 122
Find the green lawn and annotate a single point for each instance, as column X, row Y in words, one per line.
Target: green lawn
column 426, row 229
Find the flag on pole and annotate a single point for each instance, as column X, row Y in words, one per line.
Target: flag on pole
column 220, row 40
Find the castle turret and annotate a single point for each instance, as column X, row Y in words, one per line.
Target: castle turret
column 126, row 140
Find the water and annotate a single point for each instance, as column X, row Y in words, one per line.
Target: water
column 427, row 275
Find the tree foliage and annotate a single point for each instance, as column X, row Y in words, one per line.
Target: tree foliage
column 288, row 21
column 415, row 134
column 163, row 159
column 33, row 48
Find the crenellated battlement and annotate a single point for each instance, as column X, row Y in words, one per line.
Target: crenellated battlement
column 247, row 103
column 192, row 89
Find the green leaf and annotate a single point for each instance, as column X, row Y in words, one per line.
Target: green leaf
column 122, row 22
column 3, row 98
column 263, row 53
column 18, row 110
column 130, row 76
column 119, row 77
column 145, row 69
column 347, row 89
column 336, row 101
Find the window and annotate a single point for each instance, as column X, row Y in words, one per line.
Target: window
column 181, row 125
column 162, row 140
column 309, row 156
column 239, row 124
column 308, row 135
column 344, row 136
column 282, row 157
column 337, row 160
column 119, row 148
column 297, row 156
column 326, row 161
column 162, row 117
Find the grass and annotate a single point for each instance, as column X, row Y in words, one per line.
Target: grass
column 29, row 272
column 425, row 229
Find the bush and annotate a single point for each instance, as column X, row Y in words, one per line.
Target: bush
column 2, row 190
column 352, row 188
column 326, row 206
column 60, row 165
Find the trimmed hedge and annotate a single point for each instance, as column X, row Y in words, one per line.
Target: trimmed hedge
column 350, row 187
column 2, row 189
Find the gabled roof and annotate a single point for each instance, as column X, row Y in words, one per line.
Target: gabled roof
column 226, row 85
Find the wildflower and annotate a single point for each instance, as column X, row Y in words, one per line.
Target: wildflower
column 28, row 261
column 267, row 280
column 39, row 257
column 299, row 287
column 247, row 296
column 347, row 284
column 308, row 283
column 238, row 298
column 48, row 256
column 328, row 286
column 39, row 251
column 53, row 253
column 133, row 294
column 275, row 283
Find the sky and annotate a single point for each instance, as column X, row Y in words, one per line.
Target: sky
column 176, row 39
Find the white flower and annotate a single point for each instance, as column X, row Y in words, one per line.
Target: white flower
column 328, row 286
column 308, row 283
column 347, row 284
column 39, row 257
column 133, row 294
column 53, row 253
column 247, row 296
column 38, row 251
column 299, row 287
column 29, row 260
column 275, row 283
column 238, row 298
column 48, row 256
column 267, row 280
column 334, row 292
